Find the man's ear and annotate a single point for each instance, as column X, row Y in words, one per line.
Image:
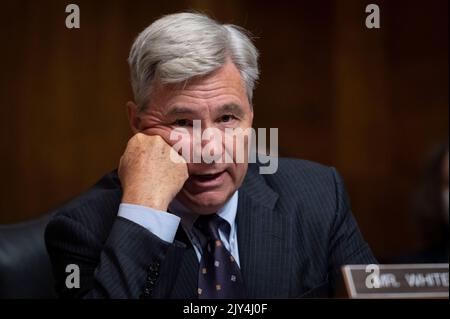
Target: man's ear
column 133, row 117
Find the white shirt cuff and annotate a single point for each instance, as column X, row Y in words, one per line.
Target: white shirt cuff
column 160, row 223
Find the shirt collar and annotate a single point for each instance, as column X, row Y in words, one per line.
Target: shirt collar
column 227, row 212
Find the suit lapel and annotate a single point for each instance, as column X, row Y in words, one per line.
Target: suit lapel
column 186, row 281
column 263, row 234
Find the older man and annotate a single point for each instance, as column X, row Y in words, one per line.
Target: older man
column 165, row 228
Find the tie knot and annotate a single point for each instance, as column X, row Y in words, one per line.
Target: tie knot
column 209, row 225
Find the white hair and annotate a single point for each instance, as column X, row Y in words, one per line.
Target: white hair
column 180, row 46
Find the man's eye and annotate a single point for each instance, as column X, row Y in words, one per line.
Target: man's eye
column 182, row 122
column 227, row 118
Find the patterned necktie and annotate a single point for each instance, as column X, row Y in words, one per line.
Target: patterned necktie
column 219, row 274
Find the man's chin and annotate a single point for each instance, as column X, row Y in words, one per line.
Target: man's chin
column 203, row 203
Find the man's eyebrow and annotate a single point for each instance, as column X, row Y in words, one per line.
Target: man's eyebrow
column 231, row 108
column 183, row 110
column 179, row 110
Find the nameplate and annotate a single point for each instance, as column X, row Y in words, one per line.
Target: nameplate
column 396, row 281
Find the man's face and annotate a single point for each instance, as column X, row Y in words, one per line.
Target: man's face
column 219, row 101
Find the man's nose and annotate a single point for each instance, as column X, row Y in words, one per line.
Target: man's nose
column 211, row 146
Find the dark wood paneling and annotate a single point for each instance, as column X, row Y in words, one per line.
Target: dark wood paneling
column 370, row 102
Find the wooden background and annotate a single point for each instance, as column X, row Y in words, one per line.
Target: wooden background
column 372, row 103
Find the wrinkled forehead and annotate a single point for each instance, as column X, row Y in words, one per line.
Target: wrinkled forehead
column 222, row 88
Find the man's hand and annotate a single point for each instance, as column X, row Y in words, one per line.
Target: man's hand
column 148, row 175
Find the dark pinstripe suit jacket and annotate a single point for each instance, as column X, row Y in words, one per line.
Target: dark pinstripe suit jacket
column 295, row 230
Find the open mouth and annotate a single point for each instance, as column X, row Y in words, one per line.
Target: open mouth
column 207, row 177
column 208, row 180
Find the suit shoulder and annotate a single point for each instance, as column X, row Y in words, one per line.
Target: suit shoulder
column 287, row 164
column 99, row 201
column 299, row 171
column 298, row 180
